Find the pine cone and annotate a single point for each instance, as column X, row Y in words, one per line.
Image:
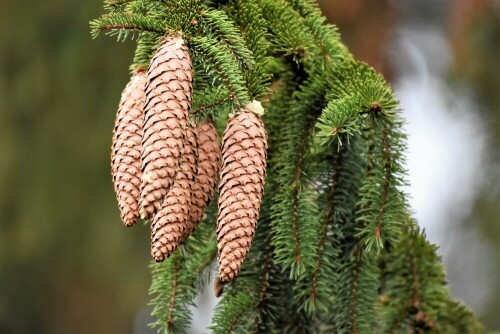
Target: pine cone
column 206, row 177
column 127, row 147
column 168, row 100
column 170, row 222
column 241, row 188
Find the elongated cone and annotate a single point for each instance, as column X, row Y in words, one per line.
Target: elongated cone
column 209, row 155
column 241, row 188
column 170, row 222
column 127, row 147
column 168, row 100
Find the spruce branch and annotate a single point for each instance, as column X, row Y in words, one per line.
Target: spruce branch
column 340, row 119
column 183, row 15
column 122, row 24
column 371, row 88
column 222, row 66
column 455, row 317
column 382, row 205
column 175, row 281
column 327, row 39
column 151, row 8
column 294, row 206
column 147, row 44
column 234, row 314
column 306, row 8
column 210, row 102
column 171, row 296
column 341, row 185
column 248, row 15
column 116, row 5
column 357, row 295
column 220, row 25
column 315, row 289
column 290, row 36
column 414, row 285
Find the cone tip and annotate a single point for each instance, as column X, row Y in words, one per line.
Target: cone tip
column 255, row 107
column 218, row 287
column 139, row 70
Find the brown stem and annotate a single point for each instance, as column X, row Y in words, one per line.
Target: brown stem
column 385, row 192
column 295, row 224
column 326, row 222
column 210, row 105
column 268, row 264
column 266, row 273
column 312, row 294
column 354, row 290
column 295, row 193
column 402, row 316
column 127, row 26
column 207, row 261
column 225, row 78
column 414, row 302
column 235, row 322
column 174, row 291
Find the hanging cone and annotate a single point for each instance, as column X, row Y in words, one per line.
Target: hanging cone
column 208, row 170
column 168, row 100
column 241, row 188
column 170, row 222
column 127, row 147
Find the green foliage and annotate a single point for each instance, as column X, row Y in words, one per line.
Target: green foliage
column 356, row 296
column 340, row 119
column 220, row 66
column 318, row 287
column 414, row 291
column 295, row 213
column 234, row 314
column 122, row 24
column 248, row 16
column 382, row 205
column 147, row 43
column 306, row 8
column 455, row 317
column 219, row 25
column 289, row 34
column 335, row 249
column 414, row 284
column 210, row 102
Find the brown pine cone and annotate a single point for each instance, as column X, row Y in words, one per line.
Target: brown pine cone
column 209, row 155
column 170, row 222
column 127, row 147
column 168, row 100
column 241, row 188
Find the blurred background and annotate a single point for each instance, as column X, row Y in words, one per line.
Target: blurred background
column 67, row 265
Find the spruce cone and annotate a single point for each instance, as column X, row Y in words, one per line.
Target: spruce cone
column 206, row 177
column 241, row 188
column 168, row 100
column 170, row 222
column 127, row 147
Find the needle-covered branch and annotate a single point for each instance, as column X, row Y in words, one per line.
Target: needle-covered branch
column 123, row 24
